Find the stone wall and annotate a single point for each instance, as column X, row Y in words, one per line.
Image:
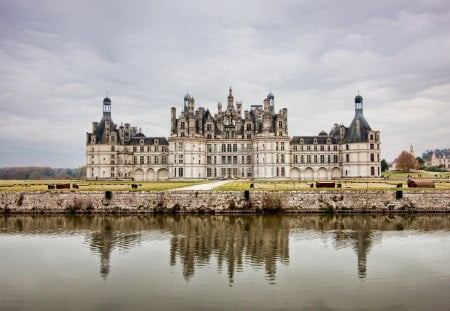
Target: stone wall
column 226, row 201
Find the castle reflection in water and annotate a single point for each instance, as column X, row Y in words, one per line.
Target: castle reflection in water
column 232, row 241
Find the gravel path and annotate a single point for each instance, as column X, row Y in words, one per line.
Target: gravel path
column 208, row 186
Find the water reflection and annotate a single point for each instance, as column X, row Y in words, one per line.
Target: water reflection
column 234, row 242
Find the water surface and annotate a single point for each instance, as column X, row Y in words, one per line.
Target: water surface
column 302, row 262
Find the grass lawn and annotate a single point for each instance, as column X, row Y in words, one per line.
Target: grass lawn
column 347, row 184
column 83, row 185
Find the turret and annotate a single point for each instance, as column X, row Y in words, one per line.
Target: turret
column 107, row 107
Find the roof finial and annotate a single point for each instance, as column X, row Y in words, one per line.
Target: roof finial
column 106, row 93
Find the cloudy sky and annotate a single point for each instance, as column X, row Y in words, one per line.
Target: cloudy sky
column 58, row 59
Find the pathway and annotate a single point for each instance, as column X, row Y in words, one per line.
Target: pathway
column 208, row 186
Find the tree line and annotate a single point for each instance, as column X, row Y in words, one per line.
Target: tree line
column 36, row 173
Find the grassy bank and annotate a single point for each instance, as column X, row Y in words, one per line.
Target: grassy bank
column 83, row 185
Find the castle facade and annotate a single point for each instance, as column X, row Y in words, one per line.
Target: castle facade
column 232, row 143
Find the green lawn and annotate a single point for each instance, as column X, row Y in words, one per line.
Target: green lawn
column 83, row 185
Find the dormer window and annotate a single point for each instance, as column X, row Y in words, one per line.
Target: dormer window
column 141, row 141
column 156, row 141
column 302, row 141
column 328, row 141
column 315, row 141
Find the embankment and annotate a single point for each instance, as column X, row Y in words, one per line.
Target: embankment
column 226, row 201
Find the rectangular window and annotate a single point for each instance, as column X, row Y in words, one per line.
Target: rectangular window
column 180, row 159
column 347, row 158
column 234, row 147
column 229, row 148
column 208, row 172
column 141, row 160
column 282, row 146
column 335, row 158
column 308, row 158
column 372, row 146
column 282, row 158
column 308, row 148
column 315, row 158
column 229, row 160
column 141, row 148
column 208, row 160
column 223, row 172
column 180, row 146
column 156, row 160
column 295, row 159
column 372, row 158
column 282, row 172
column 322, row 148
column 295, row 148
column 322, row 158
column 209, row 147
column 234, row 159
column 134, row 149
column 180, row 172
column 224, row 148
column 224, row 160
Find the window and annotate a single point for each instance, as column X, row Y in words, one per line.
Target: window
column 372, row 170
column 208, row 172
column 282, row 158
column 315, row 158
column 282, row 146
column 229, row 148
column 209, row 127
column 180, row 172
column 372, row 146
column 315, row 148
column 308, row 158
column 372, row 158
column 322, row 148
column 180, row 146
column 134, row 149
column 249, row 127
column 322, row 158
column 208, row 136
column 224, row 148
column 208, row 160
column 224, row 160
column 295, row 159
column 141, row 160
column 163, row 160
column 180, row 159
column 295, row 148
column 234, row 159
column 249, row 159
column 347, row 158
column 346, row 147
column 141, row 149
column 276, row 148
column 302, row 159
column 234, row 147
column 282, row 172
column 182, row 125
column 113, row 148
column 182, row 134
column 280, row 124
column 308, row 148
column 335, row 158
column 335, row 148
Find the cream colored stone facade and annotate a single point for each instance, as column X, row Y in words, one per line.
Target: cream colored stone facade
column 232, row 143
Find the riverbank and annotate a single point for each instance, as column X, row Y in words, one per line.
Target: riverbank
column 327, row 201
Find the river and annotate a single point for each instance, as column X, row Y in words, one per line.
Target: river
column 220, row 262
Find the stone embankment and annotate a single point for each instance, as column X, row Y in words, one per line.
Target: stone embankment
column 226, row 201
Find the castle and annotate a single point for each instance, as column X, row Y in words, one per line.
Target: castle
column 231, row 143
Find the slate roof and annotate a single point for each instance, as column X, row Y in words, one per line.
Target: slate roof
column 309, row 140
column 352, row 134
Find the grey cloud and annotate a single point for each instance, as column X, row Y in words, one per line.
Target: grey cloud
column 58, row 58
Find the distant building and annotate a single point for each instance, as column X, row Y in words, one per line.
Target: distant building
column 438, row 157
column 232, row 143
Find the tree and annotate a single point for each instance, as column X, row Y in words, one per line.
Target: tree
column 384, row 165
column 406, row 162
